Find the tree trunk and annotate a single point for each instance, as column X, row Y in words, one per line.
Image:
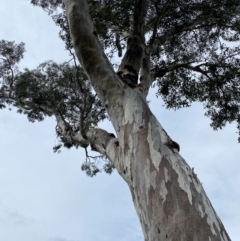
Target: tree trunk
column 169, row 199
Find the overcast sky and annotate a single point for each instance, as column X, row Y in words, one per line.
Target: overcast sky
column 46, row 197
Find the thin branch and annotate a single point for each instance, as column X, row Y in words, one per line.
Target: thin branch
column 90, row 107
column 93, row 157
column 198, row 69
column 83, row 91
column 66, row 62
column 180, row 28
column 100, row 112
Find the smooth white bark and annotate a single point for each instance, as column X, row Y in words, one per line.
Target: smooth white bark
column 169, row 199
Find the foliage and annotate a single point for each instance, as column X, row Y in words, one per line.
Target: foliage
column 91, row 167
column 59, row 88
column 196, row 59
column 10, row 55
column 48, row 90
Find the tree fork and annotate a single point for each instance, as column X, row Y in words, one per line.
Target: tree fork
column 169, row 199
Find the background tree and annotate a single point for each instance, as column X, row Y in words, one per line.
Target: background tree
column 165, row 65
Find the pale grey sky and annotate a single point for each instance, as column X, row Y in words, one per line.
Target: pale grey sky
column 46, row 197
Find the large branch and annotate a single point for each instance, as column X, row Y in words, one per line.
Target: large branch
column 160, row 14
column 89, row 50
column 146, row 78
column 99, row 140
column 102, row 141
column 131, row 62
column 160, row 72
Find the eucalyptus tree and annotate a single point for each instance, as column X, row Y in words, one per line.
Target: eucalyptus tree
column 189, row 50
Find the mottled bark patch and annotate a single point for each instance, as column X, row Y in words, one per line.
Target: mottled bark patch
column 191, row 226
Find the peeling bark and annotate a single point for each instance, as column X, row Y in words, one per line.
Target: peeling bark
column 169, row 199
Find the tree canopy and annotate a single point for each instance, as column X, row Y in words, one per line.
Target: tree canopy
column 194, row 49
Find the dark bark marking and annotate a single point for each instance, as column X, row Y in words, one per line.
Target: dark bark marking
column 176, row 145
column 130, row 69
column 135, row 51
column 173, row 145
column 129, row 75
column 130, row 66
column 130, row 80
